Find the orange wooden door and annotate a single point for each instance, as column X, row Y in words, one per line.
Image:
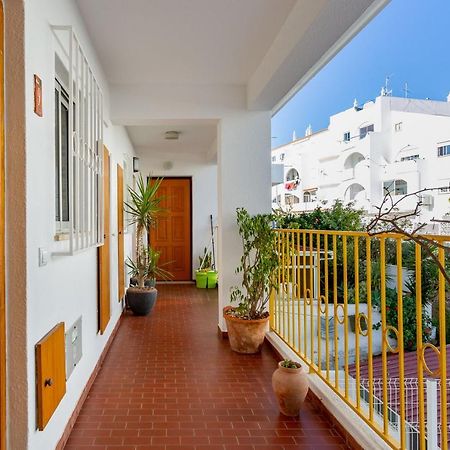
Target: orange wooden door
column 120, row 232
column 50, row 374
column 104, row 296
column 172, row 233
column 2, row 250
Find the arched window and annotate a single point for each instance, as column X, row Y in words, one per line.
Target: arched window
column 395, row 187
column 310, row 196
column 352, row 160
column 354, row 192
column 292, row 175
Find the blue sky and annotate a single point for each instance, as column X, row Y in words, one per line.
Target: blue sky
column 408, row 41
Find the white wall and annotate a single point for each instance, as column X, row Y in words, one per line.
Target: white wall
column 67, row 287
column 244, row 181
column 204, row 191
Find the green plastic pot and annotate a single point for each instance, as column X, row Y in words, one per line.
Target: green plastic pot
column 212, row 279
column 201, row 279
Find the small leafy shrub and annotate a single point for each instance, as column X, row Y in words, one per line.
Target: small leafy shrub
column 258, row 262
column 338, row 217
column 205, row 260
column 289, row 364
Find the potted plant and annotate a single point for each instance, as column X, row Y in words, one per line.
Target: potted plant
column 206, row 275
column 201, row 274
column 143, row 208
column 247, row 322
column 290, row 385
column 154, row 269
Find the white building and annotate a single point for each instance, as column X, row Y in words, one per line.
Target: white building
column 401, row 144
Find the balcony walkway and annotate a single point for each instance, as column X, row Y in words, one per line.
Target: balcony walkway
column 169, row 382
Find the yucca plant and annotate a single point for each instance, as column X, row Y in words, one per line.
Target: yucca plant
column 144, row 206
column 153, row 270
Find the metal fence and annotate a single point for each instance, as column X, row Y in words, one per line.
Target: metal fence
column 360, row 318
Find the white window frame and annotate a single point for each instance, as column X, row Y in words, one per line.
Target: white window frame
column 391, row 186
column 310, row 196
column 365, row 130
column 443, row 150
column 84, row 228
column 398, row 127
column 62, row 222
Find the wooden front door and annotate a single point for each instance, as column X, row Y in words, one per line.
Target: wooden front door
column 104, row 296
column 120, row 232
column 2, row 251
column 172, row 233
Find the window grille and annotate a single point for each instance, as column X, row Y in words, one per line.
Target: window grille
column 80, row 216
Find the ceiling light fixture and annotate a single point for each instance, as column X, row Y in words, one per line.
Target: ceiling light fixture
column 172, row 135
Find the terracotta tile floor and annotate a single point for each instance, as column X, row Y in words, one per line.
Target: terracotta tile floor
column 169, row 382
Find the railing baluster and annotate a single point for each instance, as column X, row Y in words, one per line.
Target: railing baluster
column 419, row 345
column 294, row 288
column 442, row 354
column 335, row 317
column 305, row 333
column 319, row 305
column 299, row 285
column 400, row 345
column 327, row 336
column 311, row 296
column 344, row 252
column 357, row 321
column 369, row 323
column 383, row 333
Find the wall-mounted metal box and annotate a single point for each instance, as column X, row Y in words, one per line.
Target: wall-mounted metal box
column 74, row 350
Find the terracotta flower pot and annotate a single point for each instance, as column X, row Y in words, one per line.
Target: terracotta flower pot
column 245, row 336
column 290, row 387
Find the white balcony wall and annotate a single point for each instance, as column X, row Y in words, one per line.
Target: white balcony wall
column 66, row 288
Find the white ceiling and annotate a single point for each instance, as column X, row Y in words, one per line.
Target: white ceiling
column 197, row 137
column 190, row 41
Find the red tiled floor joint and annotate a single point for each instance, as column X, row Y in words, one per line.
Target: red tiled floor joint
column 168, row 382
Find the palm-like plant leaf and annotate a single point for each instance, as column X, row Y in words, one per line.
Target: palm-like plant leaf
column 144, row 204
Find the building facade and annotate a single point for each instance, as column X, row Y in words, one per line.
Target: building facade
column 396, row 144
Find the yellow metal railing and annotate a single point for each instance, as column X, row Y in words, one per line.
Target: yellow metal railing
column 350, row 308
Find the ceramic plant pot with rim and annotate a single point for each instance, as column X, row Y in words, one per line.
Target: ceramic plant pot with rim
column 245, row 336
column 141, row 301
column 290, row 387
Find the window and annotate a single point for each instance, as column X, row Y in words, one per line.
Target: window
column 409, row 158
column 310, row 196
column 398, row 127
column 395, row 187
column 282, row 157
column 78, row 150
column 291, row 199
column 274, row 158
column 347, row 136
column 363, row 131
column 292, row 175
column 61, row 157
column 444, row 150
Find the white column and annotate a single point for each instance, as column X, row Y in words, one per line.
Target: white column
column 244, row 180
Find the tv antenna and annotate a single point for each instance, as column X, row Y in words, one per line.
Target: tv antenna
column 385, row 90
column 406, row 90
